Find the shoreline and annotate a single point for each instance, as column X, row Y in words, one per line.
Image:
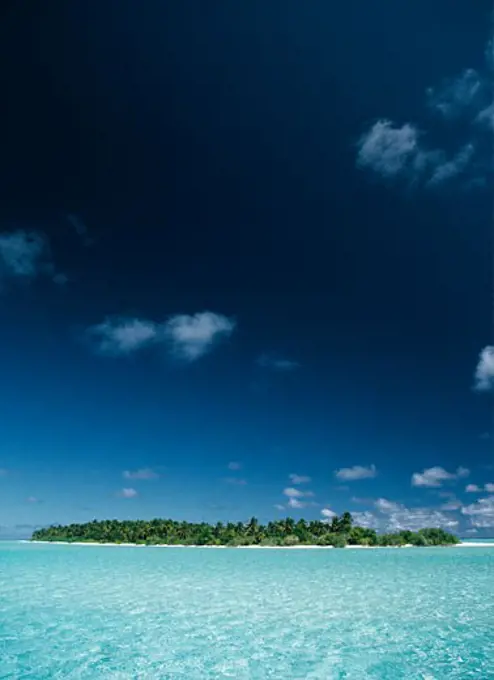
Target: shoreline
column 472, row 544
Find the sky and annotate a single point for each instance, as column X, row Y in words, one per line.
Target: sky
column 246, row 263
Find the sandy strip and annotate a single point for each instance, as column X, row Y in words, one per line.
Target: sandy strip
column 475, row 544
column 179, row 545
column 472, row 544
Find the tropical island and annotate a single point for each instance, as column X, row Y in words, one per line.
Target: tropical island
column 337, row 533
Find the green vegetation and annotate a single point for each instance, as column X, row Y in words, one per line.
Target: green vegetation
column 286, row 532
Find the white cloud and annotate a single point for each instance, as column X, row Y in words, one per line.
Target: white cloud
column 278, row 506
column 489, row 487
column 436, row 476
column 452, row 505
column 383, row 505
column 366, row 519
column 389, row 150
column 295, row 503
column 468, row 96
column 121, row 336
column 395, row 151
column 187, row 336
column 276, row 363
column 234, row 465
column 328, row 513
column 26, row 255
column 472, row 488
column 396, row 517
column 481, row 513
column 299, row 479
column 192, row 336
column 455, row 97
column 486, row 117
column 398, row 152
column 32, row 499
column 356, row 472
column 128, row 493
column 291, row 492
column 449, row 169
column 141, row 473
column 294, row 496
column 484, row 373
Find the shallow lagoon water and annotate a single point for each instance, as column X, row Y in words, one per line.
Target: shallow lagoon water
column 84, row 612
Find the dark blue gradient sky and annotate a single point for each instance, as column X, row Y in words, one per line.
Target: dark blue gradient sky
column 285, row 167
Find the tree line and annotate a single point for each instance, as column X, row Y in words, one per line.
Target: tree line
column 339, row 532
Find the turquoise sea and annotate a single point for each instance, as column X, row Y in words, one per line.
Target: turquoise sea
column 127, row 612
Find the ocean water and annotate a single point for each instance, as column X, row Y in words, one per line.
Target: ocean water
column 122, row 612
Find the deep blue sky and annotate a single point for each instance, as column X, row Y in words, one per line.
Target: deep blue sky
column 285, row 167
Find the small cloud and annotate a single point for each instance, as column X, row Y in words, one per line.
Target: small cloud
column 395, row 517
column 328, row 513
column 436, row 476
column 481, row 513
column 187, row 336
column 296, row 504
column 291, row 492
column 294, row 496
column 141, row 473
column 121, row 336
column 234, row 465
column 3, row 472
column 356, row 472
column 484, row 373
column 485, row 436
column 25, row 255
column 279, row 507
column 449, row 169
column 383, row 505
column 276, row 363
column 235, row 481
column 472, row 488
column 452, row 505
column 32, row 499
column 299, row 479
column 366, row 520
column 399, row 152
column 455, row 97
column 80, row 229
column 486, row 117
column 192, row 336
column 127, row 493
column 390, row 150
column 489, row 487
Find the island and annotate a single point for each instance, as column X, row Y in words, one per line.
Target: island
column 338, row 533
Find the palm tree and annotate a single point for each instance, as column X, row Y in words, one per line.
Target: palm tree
column 345, row 523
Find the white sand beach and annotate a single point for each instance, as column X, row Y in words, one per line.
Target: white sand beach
column 470, row 544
